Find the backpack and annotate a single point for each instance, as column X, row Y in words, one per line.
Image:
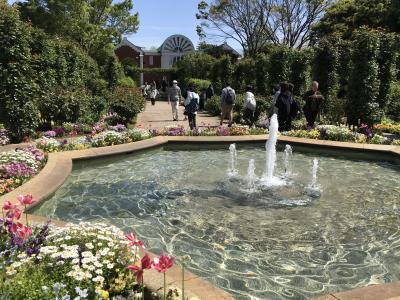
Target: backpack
column 230, row 96
column 251, row 103
column 294, row 109
column 193, row 106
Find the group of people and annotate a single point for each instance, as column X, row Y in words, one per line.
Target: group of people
column 283, row 103
column 287, row 108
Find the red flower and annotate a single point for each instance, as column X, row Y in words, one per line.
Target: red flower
column 26, row 200
column 134, row 241
column 146, row 263
column 163, row 263
column 8, row 206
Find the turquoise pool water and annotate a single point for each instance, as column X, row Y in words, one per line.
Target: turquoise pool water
column 275, row 243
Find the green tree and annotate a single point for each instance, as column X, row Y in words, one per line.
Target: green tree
column 17, row 87
column 92, row 24
column 364, row 79
column 346, row 16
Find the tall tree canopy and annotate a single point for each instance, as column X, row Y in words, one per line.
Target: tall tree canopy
column 91, row 23
column 257, row 23
column 345, row 16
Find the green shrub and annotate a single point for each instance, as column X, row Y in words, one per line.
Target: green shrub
column 364, row 81
column 199, row 83
column 279, row 65
column 213, row 105
column 17, row 88
column 126, row 82
column 393, row 108
column 127, row 103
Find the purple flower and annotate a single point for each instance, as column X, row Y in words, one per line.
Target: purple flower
column 59, row 131
column 17, row 170
column 118, row 127
column 38, row 154
column 50, row 133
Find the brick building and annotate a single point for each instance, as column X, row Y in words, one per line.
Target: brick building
column 171, row 51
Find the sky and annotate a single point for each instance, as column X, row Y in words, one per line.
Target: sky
column 161, row 18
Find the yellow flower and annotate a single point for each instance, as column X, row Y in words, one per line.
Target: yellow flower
column 105, row 295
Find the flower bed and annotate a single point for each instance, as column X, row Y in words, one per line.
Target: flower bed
column 342, row 134
column 78, row 261
column 18, row 166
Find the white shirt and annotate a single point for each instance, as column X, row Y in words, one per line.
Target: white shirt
column 249, row 98
column 190, row 96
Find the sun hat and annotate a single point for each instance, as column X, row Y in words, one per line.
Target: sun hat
column 174, row 81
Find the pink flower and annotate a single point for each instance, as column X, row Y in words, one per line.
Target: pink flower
column 146, row 263
column 134, row 241
column 14, row 214
column 8, row 206
column 26, row 200
column 163, row 263
column 24, row 232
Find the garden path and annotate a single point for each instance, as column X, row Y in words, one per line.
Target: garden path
column 160, row 115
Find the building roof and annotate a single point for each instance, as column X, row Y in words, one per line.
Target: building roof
column 226, row 47
column 141, row 50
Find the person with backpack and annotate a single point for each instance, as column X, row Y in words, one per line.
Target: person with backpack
column 249, row 106
column 228, row 97
column 286, row 107
column 192, row 106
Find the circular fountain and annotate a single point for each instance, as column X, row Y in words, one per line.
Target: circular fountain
column 330, row 224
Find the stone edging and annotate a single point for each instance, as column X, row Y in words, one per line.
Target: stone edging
column 59, row 167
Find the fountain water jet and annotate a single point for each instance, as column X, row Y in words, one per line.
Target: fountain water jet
column 314, row 174
column 270, row 153
column 232, row 171
column 288, row 160
column 251, row 177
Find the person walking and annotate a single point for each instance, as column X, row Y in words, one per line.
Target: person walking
column 209, row 92
column 174, row 97
column 283, row 105
column 249, row 106
column 313, row 100
column 203, row 98
column 153, row 93
column 275, row 92
column 228, row 97
column 192, row 103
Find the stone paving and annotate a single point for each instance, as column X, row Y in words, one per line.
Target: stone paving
column 160, row 115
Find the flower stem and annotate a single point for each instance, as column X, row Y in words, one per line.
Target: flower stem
column 26, row 216
column 165, row 287
column 183, row 281
column 142, row 288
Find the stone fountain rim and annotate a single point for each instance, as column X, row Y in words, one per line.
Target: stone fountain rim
column 59, row 167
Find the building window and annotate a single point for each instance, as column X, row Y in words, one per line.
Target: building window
column 151, row 60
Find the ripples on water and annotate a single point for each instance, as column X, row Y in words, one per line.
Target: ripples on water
column 281, row 243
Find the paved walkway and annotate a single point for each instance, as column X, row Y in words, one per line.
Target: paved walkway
column 160, row 115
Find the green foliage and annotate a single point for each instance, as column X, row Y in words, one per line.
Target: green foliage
column 17, row 110
column 326, row 61
column 279, row 65
column 213, row 105
column 91, row 24
column 386, row 60
column 300, row 75
column 261, row 73
column 244, row 74
column 393, row 108
column 127, row 103
column 346, row 16
column 364, row 81
column 195, row 65
column 199, row 83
